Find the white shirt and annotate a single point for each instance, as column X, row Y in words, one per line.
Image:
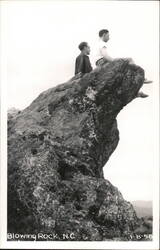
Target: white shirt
column 101, row 51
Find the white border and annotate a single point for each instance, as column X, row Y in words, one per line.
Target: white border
column 154, row 245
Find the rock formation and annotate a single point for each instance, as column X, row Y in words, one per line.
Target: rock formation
column 12, row 112
column 57, row 148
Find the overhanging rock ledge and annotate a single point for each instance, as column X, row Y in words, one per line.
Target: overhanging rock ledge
column 57, row 148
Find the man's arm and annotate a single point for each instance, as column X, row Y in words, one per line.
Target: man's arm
column 76, row 66
column 105, row 54
column 79, row 65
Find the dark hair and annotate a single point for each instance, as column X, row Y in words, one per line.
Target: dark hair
column 82, row 45
column 101, row 32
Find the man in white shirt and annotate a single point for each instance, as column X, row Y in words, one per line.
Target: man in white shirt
column 102, row 56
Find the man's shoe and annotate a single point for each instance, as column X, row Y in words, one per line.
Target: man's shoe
column 142, row 95
column 147, row 81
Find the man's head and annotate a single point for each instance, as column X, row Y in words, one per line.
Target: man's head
column 104, row 35
column 84, row 47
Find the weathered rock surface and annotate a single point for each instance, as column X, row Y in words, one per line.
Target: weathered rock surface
column 12, row 112
column 57, row 148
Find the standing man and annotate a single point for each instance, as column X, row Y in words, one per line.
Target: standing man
column 83, row 64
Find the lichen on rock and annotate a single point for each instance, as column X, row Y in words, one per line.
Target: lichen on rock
column 57, row 148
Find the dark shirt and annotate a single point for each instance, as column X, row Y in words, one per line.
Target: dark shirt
column 83, row 64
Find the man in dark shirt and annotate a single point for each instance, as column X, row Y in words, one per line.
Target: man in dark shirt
column 83, row 64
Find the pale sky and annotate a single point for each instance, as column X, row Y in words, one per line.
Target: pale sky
column 40, row 40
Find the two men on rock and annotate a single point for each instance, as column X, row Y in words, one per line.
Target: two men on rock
column 83, row 65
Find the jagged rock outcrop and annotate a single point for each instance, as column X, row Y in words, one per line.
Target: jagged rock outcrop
column 12, row 112
column 57, row 148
